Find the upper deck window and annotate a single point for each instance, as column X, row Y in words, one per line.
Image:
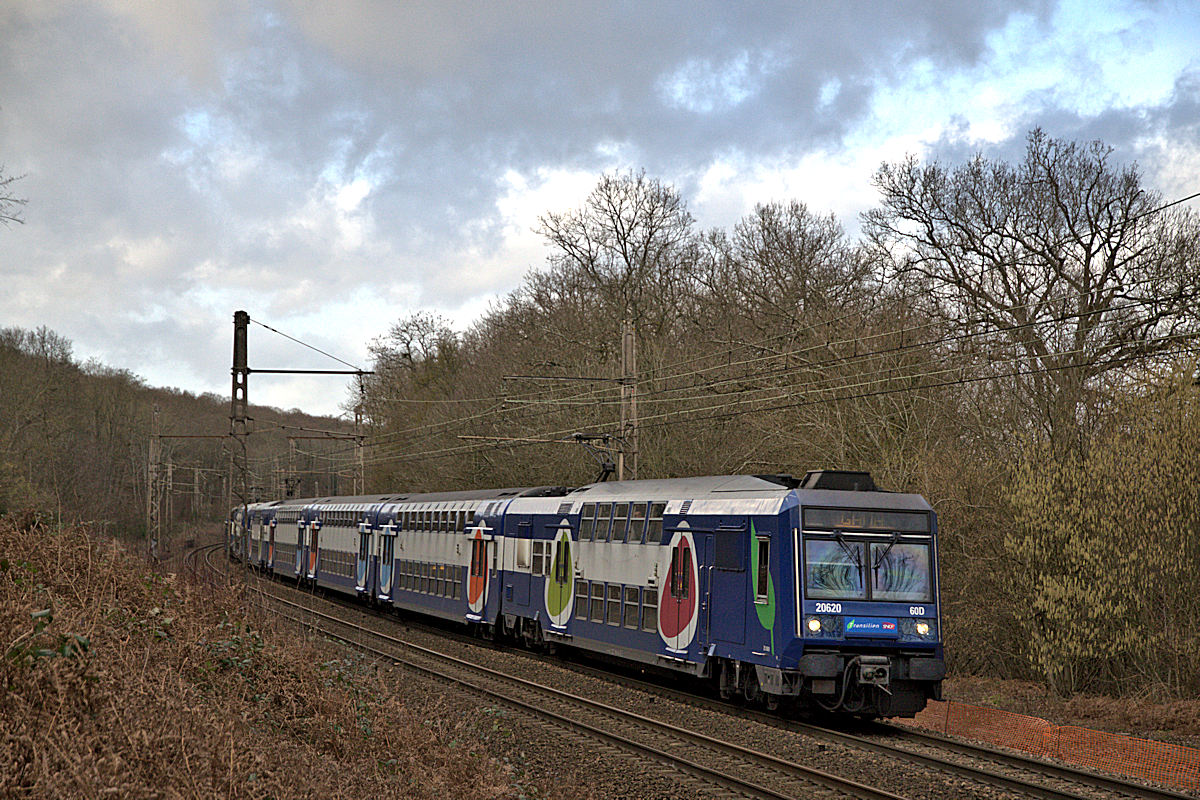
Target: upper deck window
column 587, row 520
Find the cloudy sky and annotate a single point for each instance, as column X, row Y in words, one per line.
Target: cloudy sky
column 333, row 166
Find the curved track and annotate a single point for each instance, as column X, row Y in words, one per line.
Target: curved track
column 1008, row 771
column 711, row 761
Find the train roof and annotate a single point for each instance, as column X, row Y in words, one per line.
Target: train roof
column 418, row 497
column 704, row 494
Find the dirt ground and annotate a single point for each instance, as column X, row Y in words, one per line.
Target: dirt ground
column 1175, row 721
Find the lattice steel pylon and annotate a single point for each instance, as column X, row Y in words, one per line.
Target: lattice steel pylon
column 154, row 488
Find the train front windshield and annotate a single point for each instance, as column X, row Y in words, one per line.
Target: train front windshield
column 868, row 565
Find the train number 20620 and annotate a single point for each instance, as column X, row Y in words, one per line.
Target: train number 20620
column 829, row 608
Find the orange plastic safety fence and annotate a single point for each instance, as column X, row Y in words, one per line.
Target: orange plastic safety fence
column 1167, row 764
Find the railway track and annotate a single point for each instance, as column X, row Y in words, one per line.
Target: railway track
column 711, row 761
column 694, row 753
column 1010, row 771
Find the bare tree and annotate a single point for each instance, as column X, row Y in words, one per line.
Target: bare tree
column 628, row 239
column 1064, row 258
column 10, row 204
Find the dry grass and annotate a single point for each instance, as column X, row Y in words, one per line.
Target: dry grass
column 122, row 682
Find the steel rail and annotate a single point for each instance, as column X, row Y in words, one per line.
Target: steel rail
column 1027, row 763
column 793, row 771
column 805, row 775
column 1030, row 764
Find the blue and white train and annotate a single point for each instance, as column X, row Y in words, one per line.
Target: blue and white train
column 820, row 592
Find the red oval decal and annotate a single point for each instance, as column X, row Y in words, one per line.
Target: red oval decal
column 675, row 613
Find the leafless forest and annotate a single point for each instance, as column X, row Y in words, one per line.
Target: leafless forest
column 1015, row 341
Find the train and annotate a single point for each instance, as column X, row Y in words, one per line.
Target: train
column 817, row 593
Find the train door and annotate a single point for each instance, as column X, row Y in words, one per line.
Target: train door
column 480, row 574
column 301, row 541
column 314, row 547
column 517, row 580
column 704, row 613
column 362, row 572
column 678, row 605
column 271, row 544
column 386, row 547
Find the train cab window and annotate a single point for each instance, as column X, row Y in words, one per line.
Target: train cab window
column 763, row 570
column 614, row 604
column 650, row 609
column 587, row 521
column 631, row 607
column 603, row 515
column 581, row 599
column 597, row 601
column 637, row 522
column 834, row 569
column 620, row 521
column 900, row 572
column 655, row 524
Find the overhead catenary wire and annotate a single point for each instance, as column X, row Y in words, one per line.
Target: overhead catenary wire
column 309, row 346
column 465, row 449
column 838, row 359
column 688, row 415
column 384, row 439
column 646, row 393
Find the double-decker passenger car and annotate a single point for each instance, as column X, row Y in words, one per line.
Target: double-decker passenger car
column 821, row 591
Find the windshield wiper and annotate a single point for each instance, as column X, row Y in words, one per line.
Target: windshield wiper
column 855, row 554
column 886, row 550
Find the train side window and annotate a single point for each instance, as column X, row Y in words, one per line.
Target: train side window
column 650, row 609
column 631, row 607
column 461, row 522
column 603, row 514
column 523, row 546
column 680, row 570
column 614, row 604
column 581, row 599
column 763, row 572
column 655, row 524
column 597, row 601
column 637, row 522
column 537, row 557
column 446, row 521
column 587, row 521
column 620, row 521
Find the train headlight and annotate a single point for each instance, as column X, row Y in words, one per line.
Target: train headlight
column 814, row 625
column 923, row 628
